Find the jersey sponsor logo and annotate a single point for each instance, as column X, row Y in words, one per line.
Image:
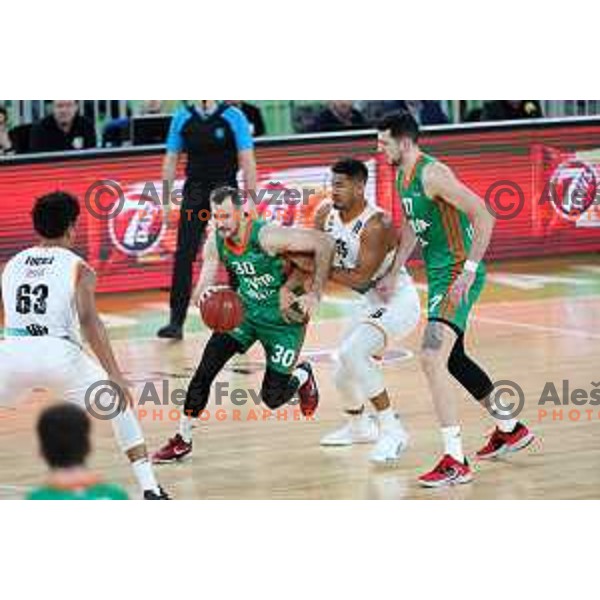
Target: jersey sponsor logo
column 378, row 313
column 37, row 261
column 357, row 227
column 34, row 273
column 37, row 330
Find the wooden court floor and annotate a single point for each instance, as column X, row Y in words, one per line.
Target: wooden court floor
column 538, row 322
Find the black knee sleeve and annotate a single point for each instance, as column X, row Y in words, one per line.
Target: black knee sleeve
column 470, row 375
column 219, row 349
column 277, row 389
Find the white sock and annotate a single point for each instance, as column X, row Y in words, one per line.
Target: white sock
column 144, row 473
column 301, row 375
column 453, row 442
column 388, row 420
column 185, row 428
column 506, row 425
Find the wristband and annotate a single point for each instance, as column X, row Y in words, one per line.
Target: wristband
column 471, row 266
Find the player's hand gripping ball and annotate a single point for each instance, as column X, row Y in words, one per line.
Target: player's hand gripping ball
column 291, row 307
column 221, row 309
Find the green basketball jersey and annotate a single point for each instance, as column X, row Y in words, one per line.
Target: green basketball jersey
column 444, row 232
column 259, row 276
column 96, row 491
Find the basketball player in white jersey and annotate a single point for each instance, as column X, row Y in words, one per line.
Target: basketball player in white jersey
column 48, row 293
column 366, row 244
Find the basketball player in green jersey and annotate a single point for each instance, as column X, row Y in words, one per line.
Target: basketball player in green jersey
column 64, row 435
column 454, row 228
column 253, row 251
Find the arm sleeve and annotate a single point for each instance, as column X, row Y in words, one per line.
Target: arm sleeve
column 241, row 128
column 174, row 138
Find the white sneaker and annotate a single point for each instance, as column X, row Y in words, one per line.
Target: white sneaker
column 390, row 447
column 358, row 430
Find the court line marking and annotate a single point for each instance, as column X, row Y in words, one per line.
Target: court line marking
column 543, row 328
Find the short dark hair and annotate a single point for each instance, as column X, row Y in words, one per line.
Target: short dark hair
column 355, row 169
column 220, row 194
column 402, row 124
column 64, row 434
column 54, row 213
column 4, row 112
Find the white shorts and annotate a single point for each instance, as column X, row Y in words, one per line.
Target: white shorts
column 59, row 366
column 398, row 317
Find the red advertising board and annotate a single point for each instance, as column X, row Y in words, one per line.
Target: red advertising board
column 547, row 171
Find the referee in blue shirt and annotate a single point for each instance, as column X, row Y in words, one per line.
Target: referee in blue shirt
column 218, row 143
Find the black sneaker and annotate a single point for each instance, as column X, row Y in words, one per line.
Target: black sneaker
column 152, row 495
column 170, row 332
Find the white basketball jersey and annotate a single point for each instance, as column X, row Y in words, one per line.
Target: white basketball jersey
column 347, row 238
column 38, row 294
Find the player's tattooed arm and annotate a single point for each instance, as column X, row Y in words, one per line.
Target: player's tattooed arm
column 210, row 268
column 93, row 329
column 277, row 240
column 376, row 241
column 440, row 182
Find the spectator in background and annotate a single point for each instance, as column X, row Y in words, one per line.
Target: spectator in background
column 152, row 107
column 376, row 111
column 426, row 112
column 64, row 129
column 6, row 145
column 253, row 114
column 117, row 132
column 510, row 110
column 339, row 115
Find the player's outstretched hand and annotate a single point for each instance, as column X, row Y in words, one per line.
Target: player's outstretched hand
column 125, row 386
column 289, row 305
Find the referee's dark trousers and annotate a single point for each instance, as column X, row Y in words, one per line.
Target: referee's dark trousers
column 193, row 221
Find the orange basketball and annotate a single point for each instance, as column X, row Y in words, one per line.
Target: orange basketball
column 222, row 310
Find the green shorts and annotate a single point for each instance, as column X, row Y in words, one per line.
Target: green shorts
column 439, row 307
column 282, row 342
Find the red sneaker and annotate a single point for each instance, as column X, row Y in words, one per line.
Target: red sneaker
column 502, row 443
column 448, row 471
column 309, row 392
column 174, row 450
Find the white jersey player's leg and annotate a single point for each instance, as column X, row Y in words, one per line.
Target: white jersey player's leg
column 359, row 368
column 86, row 383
